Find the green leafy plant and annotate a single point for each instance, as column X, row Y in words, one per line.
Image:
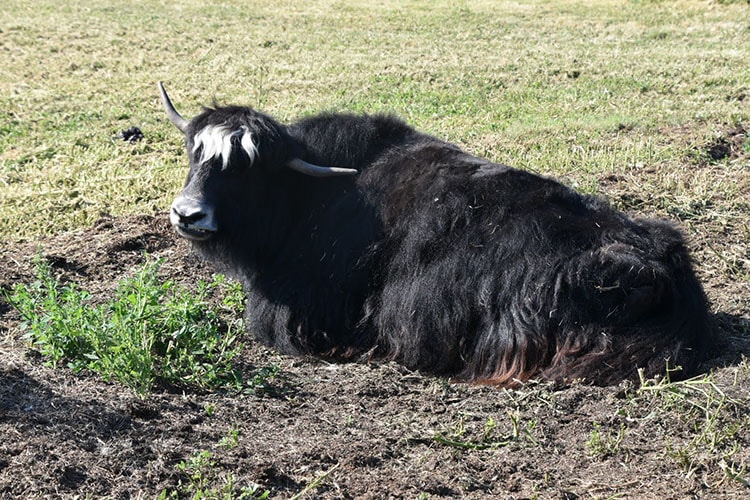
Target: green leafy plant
column 231, row 440
column 150, row 331
column 205, row 482
column 210, row 409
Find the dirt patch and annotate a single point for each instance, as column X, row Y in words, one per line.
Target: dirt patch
column 363, row 431
column 732, row 143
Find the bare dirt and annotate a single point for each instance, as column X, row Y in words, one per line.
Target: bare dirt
column 358, row 430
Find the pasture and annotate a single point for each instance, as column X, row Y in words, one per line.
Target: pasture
column 644, row 102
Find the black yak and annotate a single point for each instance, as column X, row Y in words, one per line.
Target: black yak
column 359, row 236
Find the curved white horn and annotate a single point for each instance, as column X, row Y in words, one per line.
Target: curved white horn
column 172, row 113
column 318, row 171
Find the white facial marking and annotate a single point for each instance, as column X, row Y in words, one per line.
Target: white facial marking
column 216, row 141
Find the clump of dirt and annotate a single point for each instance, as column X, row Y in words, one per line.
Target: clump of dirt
column 131, row 135
column 349, row 430
column 732, row 143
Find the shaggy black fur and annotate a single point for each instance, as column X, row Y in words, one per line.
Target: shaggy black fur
column 444, row 262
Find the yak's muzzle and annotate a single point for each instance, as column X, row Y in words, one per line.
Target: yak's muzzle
column 192, row 219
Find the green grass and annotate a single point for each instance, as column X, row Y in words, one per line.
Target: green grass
column 490, row 436
column 578, row 90
column 602, row 444
column 150, row 332
column 715, row 418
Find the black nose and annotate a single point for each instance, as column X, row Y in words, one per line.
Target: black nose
column 188, row 215
column 188, row 210
column 193, row 219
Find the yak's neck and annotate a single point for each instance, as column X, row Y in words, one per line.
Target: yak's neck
column 317, row 235
column 317, row 281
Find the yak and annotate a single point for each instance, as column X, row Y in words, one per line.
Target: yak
column 359, row 237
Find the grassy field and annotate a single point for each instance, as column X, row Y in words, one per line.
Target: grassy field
column 575, row 89
column 646, row 102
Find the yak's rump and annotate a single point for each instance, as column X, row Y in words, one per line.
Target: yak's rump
column 451, row 264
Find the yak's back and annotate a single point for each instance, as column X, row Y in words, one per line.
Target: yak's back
column 346, row 140
column 499, row 274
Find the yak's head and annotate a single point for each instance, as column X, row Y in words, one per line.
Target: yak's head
column 229, row 149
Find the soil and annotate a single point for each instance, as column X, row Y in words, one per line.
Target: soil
column 358, row 430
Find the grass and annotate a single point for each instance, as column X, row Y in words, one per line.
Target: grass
column 601, row 444
column 608, row 88
column 715, row 419
column 150, row 332
column 490, row 436
column 315, row 483
column 698, row 426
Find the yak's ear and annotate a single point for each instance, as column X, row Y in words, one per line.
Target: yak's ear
column 172, row 113
column 318, row 171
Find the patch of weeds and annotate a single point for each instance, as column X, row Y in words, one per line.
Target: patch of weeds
column 602, row 444
column 736, row 472
column 490, row 436
column 197, row 468
column 231, row 440
column 150, row 332
column 202, row 480
column 710, row 424
column 261, row 382
column 210, row 409
column 233, row 298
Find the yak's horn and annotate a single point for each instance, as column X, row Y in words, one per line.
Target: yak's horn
column 172, row 113
column 318, row 171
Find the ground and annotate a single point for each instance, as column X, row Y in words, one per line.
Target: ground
column 353, row 430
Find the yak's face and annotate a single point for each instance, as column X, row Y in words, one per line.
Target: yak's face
column 232, row 152
column 220, row 159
